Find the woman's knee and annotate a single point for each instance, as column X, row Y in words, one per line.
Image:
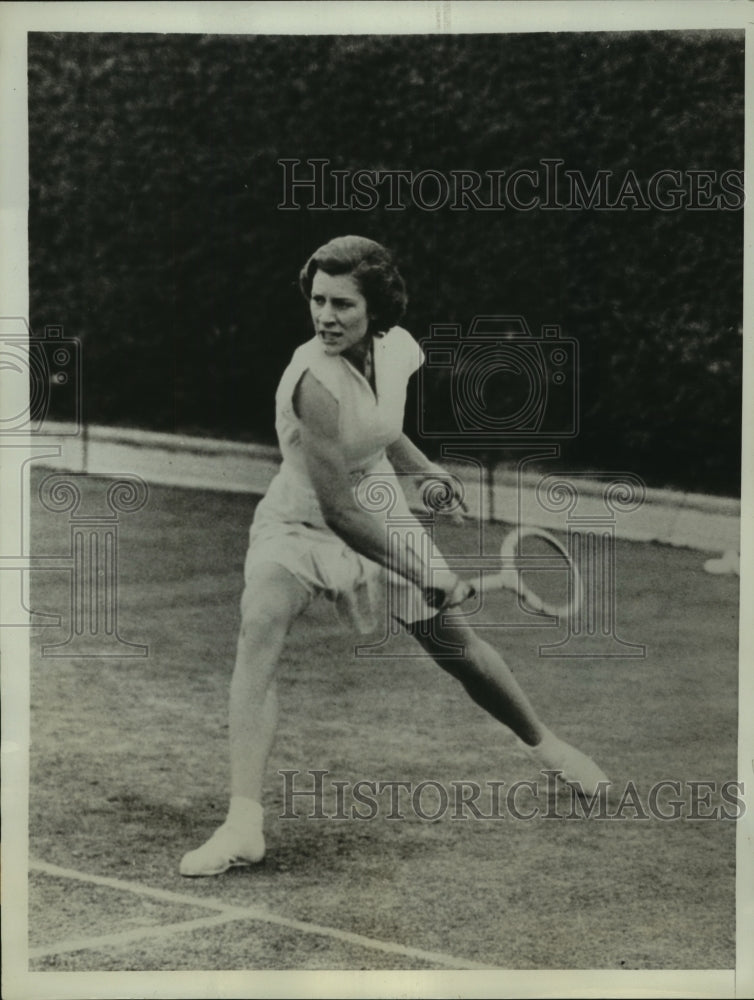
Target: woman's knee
column 271, row 601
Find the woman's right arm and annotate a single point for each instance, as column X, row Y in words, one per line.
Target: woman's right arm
column 362, row 530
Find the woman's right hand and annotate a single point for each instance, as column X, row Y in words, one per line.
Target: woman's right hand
column 451, row 594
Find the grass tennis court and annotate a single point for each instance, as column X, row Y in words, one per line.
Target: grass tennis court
column 129, row 770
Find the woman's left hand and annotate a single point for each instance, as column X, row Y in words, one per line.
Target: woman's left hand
column 442, row 492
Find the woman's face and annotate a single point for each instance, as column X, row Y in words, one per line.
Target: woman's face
column 339, row 311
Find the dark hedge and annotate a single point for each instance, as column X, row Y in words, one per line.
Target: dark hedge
column 156, row 238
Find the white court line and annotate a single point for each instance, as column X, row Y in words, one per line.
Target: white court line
column 164, row 895
column 231, row 912
column 125, row 937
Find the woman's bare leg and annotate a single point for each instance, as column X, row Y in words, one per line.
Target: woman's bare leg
column 484, row 674
column 490, row 682
column 271, row 602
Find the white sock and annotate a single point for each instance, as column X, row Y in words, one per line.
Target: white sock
column 245, row 814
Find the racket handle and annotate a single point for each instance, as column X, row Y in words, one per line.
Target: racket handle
column 435, row 596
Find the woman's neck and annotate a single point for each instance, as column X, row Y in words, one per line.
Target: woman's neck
column 359, row 353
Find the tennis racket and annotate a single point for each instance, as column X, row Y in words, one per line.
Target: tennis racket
column 534, row 564
column 538, row 567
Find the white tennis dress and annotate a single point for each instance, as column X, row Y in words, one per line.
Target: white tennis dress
column 289, row 528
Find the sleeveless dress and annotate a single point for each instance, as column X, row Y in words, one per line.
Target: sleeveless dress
column 288, row 526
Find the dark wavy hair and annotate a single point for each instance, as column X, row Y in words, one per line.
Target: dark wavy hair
column 374, row 270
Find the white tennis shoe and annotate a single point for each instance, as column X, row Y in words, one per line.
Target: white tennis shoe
column 729, row 562
column 576, row 769
column 227, row 848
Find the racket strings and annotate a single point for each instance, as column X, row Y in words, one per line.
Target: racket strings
column 545, row 571
column 542, row 571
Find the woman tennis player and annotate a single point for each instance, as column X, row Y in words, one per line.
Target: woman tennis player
column 339, row 416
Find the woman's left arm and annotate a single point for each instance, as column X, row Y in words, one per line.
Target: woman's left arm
column 407, row 458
